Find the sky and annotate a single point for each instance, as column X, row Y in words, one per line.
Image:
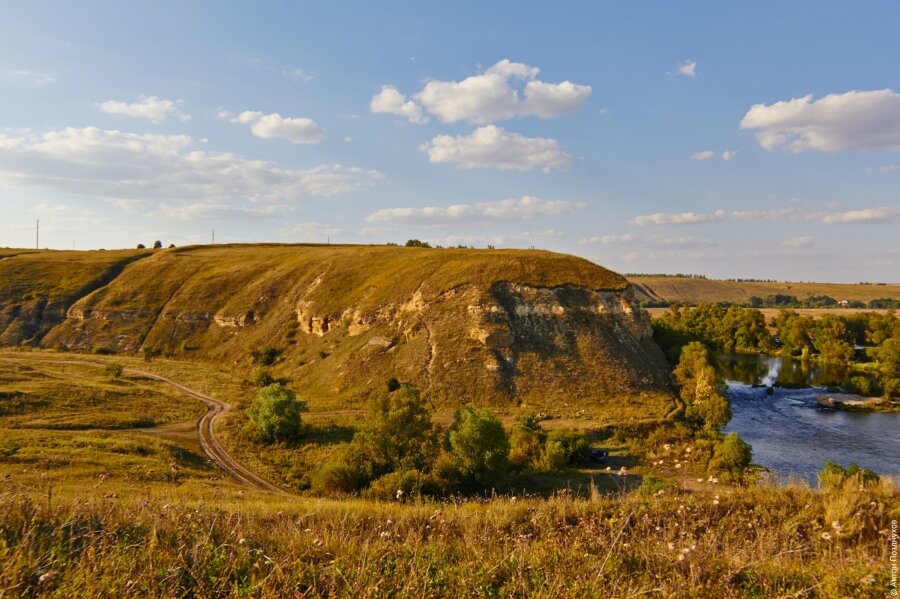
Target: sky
column 733, row 140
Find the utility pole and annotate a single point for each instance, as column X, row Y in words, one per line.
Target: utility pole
column 37, row 235
column 214, row 237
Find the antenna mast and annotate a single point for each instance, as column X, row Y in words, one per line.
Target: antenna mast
column 37, row 235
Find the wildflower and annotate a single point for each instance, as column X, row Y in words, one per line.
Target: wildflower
column 688, row 450
column 699, row 480
column 671, row 546
column 678, row 465
column 826, row 536
column 836, row 525
column 667, row 447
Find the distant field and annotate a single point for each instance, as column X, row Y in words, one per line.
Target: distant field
column 694, row 291
column 771, row 313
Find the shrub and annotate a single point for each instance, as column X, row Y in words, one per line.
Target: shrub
column 732, row 456
column 526, row 442
column 141, row 246
column 410, row 483
column 157, row 244
column 652, row 485
column 337, row 477
column 275, row 413
column 267, row 356
column 100, row 350
column 114, row 370
column 261, row 377
column 833, row 476
column 479, row 447
column 392, row 384
column 564, row 447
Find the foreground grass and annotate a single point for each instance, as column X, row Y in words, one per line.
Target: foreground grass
column 754, row 543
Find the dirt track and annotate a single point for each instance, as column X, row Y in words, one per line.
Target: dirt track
column 208, row 441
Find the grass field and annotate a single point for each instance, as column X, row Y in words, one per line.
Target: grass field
column 694, row 291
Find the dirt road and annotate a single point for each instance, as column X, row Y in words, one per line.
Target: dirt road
column 208, row 440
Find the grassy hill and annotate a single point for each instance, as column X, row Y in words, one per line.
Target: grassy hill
column 494, row 327
column 694, row 291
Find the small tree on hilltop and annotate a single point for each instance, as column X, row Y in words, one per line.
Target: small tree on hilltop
column 275, row 413
column 479, row 446
column 157, row 245
column 114, row 370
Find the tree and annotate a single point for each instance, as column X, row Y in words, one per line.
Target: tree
column 399, row 434
column 157, row 244
column 701, row 389
column 479, row 446
column 141, row 246
column 275, row 413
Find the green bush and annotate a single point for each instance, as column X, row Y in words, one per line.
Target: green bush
column 275, row 413
column 652, row 485
column 261, row 377
column 565, row 447
column 337, row 477
column 732, row 456
column 479, row 447
column 267, row 356
column 410, row 483
column 526, row 443
column 114, row 370
column 833, row 476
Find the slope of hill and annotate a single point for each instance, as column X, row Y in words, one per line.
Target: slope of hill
column 693, row 291
column 497, row 327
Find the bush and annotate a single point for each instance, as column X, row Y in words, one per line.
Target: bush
column 732, row 456
column 266, row 357
column 261, row 377
column 275, row 413
column 337, row 477
column 157, row 244
column 479, row 447
column 526, row 443
column 114, row 370
column 410, row 483
column 564, row 447
column 392, row 384
column 833, row 476
column 652, row 485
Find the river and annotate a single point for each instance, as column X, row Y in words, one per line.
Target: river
column 790, row 433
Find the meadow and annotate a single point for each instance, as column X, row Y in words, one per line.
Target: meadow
column 116, row 506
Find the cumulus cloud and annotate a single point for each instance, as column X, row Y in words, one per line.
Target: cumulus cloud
column 494, row 147
column 298, row 75
column 268, row 126
column 703, row 155
column 522, row 208
column 766, row 215
column 486, row 98
column 151, row 108
column 728, row 155
column 680, row 218
column 159, row 168
column 687, row 68
column 391, row 101
column 849, row 121
column 216, row 211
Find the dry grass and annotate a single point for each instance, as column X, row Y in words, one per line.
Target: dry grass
column 695, row 291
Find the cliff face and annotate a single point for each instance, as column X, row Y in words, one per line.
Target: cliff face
column 499, row 328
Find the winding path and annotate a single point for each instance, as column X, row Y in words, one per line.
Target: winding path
column 208, row 441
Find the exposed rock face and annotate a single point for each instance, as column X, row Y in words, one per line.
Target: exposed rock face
column 498, row 328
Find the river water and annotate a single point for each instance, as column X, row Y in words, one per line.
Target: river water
column 790, row 433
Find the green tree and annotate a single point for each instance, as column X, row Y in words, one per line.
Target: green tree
column 275, row 413
column 479, row 446
column 701, row 389
column 399, row 433
column 157, row 244
column 526, row 442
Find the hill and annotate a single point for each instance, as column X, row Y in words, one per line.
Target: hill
column 693, row 291
column 495, row 327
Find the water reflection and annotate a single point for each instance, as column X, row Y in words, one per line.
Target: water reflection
column 791, row 372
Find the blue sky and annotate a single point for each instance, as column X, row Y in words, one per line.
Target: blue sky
column 760, row 140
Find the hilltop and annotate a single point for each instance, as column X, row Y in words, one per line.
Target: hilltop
column 494, row 327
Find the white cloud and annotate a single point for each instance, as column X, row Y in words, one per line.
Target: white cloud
column 681, row 218
column 804, row 241
column 391, row 101
column 267, row 126
column 882, row 215
column 522, row 208
column 494, row 147
column 687, row 68
column 217, row 211
column 766, row 215
column 152, row 108
column 848, row 121
column 486, row 98
column 313, row 230
column 683, row 241
column 298, row 75
column 31, row 77
column 703, row 155
column 728, row 155
column 158, row 168
column 887, row 170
